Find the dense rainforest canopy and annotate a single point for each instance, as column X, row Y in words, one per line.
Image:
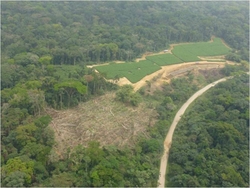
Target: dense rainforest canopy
column 74, row 32
column 211, row 143
column 45, row 49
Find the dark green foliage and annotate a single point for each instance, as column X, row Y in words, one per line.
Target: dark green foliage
column 230, row 70
column 151, row 146
column 16, row 179
column 211, row 141
column 105, row 167
column 233, row 57
column 75, row 32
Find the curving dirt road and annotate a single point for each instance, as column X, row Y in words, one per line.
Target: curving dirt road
column 168, row 140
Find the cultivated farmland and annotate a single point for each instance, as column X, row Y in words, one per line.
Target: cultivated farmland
column 132, row 71
column 181, row 53
column 189, row 52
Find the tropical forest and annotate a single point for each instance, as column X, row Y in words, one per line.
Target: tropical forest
column 125, row 94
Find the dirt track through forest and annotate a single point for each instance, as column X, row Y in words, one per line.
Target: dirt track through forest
column 168, row 140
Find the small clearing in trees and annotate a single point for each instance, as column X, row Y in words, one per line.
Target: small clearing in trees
column 102, row 119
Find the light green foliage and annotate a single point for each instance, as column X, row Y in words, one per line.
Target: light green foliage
column 25, row 134
column 19, row 97
column 72, row 84
column 25, row 59
column 15, row 165
column 45, row 60
column 27, row 96
column 71, row 88
column 34, row 84
column 126, row 95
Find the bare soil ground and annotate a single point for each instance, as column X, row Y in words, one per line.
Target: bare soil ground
column 102, row 119
column 212, row 58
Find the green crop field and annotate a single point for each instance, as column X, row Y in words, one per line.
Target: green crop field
column 181, row 53
column 164, row 59
column 189, row 52
column 134, row 72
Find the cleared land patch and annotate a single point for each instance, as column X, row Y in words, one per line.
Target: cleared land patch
column 102, row 119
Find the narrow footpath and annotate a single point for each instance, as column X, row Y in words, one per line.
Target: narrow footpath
column 168, row 140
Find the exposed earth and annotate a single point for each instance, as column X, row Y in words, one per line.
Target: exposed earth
column 102, row 119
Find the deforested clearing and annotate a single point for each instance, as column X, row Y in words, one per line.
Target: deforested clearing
column 102, row 119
